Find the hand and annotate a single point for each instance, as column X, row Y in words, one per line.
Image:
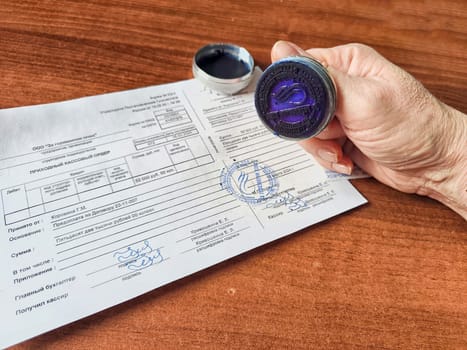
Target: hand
column 389, row 125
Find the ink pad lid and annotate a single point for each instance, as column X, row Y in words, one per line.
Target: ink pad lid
column 295, row 98
column 226, row 68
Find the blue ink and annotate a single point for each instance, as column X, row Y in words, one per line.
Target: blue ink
column 131, row 253
column 288, row 200
column 146, row 261
column 242, row 181
column 259, row 187
column 140, row 257
column 259, row 184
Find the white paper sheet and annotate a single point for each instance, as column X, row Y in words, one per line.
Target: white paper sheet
column 107, row 197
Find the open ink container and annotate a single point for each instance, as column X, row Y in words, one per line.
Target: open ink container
column 226, row 68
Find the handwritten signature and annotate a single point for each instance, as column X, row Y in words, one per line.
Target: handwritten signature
column 138, row 258
column 287, row 199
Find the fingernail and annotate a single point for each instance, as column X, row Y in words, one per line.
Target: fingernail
column 341, row 168
column 327, row 155
column 298, row 49
column 284, row 49
column 279, row 43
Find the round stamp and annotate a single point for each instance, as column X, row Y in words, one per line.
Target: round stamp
column 249, row 181
column 295, row 98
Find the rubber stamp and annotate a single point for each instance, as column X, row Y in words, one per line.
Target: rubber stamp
column 295, row 98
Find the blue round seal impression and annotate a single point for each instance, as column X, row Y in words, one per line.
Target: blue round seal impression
column 295, row 97
column 249, row 181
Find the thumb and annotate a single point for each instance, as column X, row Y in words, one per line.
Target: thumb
column 350, row 90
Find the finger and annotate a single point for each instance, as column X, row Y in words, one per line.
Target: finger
column 329, row 154
column 332, row 131
column 282, row 49
column 345, row 165
column 328, row 150
column 353, row 59
column 348, row 147
column 363, row 161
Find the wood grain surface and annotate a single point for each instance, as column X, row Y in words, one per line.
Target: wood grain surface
column 389, row 275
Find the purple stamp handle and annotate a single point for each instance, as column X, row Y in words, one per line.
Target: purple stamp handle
column 295, row 98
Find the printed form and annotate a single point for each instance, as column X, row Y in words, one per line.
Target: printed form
column 107, row 197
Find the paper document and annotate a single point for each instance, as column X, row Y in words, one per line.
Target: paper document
column 107, row 197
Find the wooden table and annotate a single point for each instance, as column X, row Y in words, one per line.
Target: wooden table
column 391, row 274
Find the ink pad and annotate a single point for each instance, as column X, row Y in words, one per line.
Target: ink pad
column 295, row 98
column 223, row 67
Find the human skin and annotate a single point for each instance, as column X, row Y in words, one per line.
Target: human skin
column 390, row 125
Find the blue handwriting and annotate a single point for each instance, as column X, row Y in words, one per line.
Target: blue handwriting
column 287, row 199
column 138, row 258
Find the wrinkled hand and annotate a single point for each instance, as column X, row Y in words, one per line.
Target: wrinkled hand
column 388, row 124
